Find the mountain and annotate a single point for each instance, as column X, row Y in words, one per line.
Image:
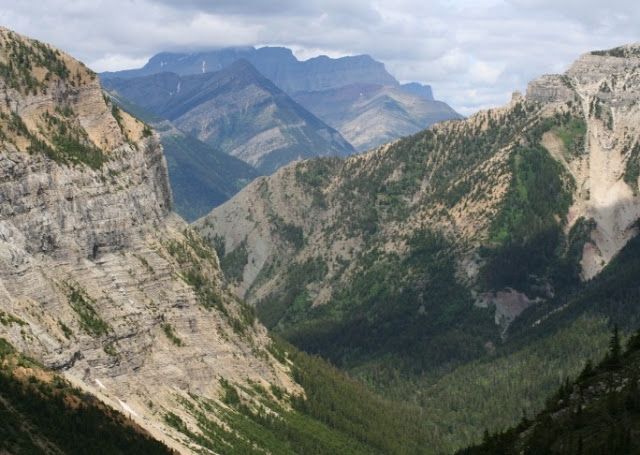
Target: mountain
column 370, row 115
column 368, row 106
column 101, row 283
column 461, row 249
column 278, row 64
column 201, row 176
column 238, row 111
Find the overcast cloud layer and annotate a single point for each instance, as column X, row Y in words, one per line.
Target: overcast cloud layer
column 474, row 53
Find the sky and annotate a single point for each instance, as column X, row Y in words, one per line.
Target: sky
column 474, row 53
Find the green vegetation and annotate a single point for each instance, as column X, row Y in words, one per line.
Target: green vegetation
column 196, row 257
column 495, row 391
column 23, row 57
column 548, row 343
column 110, row 349
column 233, row 264
column 171, row 334
column 405, row 314
column 597, row 413
column 50, row 416
column 289, row 232
column 632, row 168
column 8, row 319
column 621, row 52
column 336, row 416
column 71, row 143
column 400, row 315
column 68, row 333
column 83, row 305
column 292, row 305
column 527, row 231
column 60, row 136
column 572, row 135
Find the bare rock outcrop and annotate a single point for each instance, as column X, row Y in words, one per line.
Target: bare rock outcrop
column 550, row 89
column 96, row 273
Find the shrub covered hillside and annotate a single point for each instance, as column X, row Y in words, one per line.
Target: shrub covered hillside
column 460, row 245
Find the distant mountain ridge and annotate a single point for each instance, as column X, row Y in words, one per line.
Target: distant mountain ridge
column 238, row 111
column 277, row 64
column 369, row 115
column 408, row 109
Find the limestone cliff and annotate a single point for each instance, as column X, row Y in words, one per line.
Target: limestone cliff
column 98, row 279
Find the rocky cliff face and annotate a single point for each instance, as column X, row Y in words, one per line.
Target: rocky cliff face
column 605, row 87
column 98, row 280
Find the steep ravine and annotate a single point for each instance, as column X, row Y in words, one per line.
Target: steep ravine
column 606, row 87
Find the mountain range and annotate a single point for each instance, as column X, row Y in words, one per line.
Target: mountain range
column 368, row 106
column 278, row 64
column 107, row 296
column 238, row 111
column 456, row 246
column 459, row 276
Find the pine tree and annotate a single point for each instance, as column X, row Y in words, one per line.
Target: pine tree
column 615, row 348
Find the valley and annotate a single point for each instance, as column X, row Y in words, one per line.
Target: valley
column 418, row 298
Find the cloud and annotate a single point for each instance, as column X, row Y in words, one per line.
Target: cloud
column 473, row 52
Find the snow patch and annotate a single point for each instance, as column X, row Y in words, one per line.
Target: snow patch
column 100, row 384
column 126, row 407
